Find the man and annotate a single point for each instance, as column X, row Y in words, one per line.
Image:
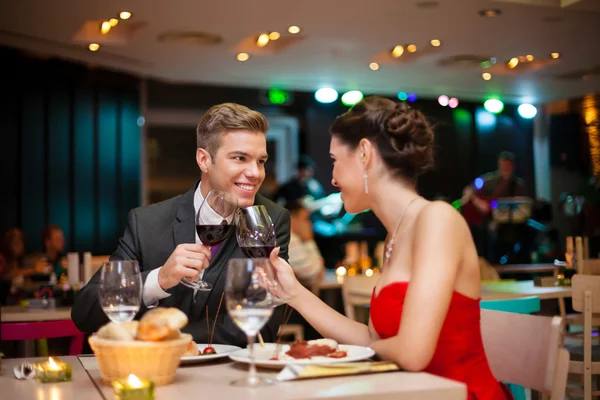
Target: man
column 231, row 154
column 301, row 185
column 304, row 255
column 54, row 248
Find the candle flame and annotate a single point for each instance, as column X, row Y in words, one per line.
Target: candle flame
column 133, row 381
column 52, row 365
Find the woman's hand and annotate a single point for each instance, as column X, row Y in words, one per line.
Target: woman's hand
column 288, row 286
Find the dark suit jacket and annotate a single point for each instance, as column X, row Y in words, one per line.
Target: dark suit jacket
column 151, row 235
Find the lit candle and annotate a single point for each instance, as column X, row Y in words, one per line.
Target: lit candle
column 340, row 273
column 133, row 388
column 53, row 370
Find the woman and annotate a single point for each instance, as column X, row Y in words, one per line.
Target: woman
column 425, row 307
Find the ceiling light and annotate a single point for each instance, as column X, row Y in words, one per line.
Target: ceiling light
column 527, row 110
column 374, row 66
column 529, row 57
column 352, row 97
column 453, row 102
column 402, row 96
column 294, row 29
column 435, row 42
column 262, row 40
column 494, row 106
column 326, row 95
column 490, row 12
column 412, row 97
column 124, row 15
column 105, row 27
column 274, row 35
column 443, row 100
column 555, row 55
column 94, row 47
column 512, row 63
column 486, row 76
column 397, row 51
column 411, row 48
column 113, row 22
column 242, row 57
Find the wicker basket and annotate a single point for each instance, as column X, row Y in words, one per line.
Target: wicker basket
column 157, row 361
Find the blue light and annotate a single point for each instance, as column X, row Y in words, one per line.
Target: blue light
column 478, row 183
column 412, row 97
column 485, row 121
column 402, row 96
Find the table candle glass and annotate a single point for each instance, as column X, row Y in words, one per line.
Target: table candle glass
column 53, row 370
column 133, row 388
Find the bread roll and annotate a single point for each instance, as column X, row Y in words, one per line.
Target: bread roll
column 192, row 350
column 172, row 317
column 119, row 331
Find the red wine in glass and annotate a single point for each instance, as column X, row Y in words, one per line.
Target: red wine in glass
column 211, row 235
column 257, row 251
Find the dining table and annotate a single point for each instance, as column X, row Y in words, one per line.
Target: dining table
column 212, row 380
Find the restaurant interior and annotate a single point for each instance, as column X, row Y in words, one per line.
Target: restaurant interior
column 99, row 115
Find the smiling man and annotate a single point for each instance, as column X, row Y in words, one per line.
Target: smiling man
column 231, row 155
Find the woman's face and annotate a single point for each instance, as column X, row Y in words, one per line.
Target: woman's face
column 347, row 175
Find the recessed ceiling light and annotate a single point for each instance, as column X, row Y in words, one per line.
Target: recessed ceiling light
column 124, row 15
column 374, row 66
column 397, row 51
column 274, row 35
column 242, row 57
column 435, row 42
column 490, row 12
column 555, row 55
column 529, row 57
column 105, row 27
column 262, row 40
column 486, row 76
column 94, row 47
column 294, row 29
column 512, row 63
column 411, row 48
column 113, row 22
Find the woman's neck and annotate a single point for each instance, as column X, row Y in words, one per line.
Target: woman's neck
column 391, row 197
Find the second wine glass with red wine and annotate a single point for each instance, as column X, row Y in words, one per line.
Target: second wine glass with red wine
column 255, row 232
column 214, row 223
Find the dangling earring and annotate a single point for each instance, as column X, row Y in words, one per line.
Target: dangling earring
column 366, row 182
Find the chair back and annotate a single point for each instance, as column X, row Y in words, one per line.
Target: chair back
column 585, row 283
column 356, row 291
column 526, row 350
column 44, row 330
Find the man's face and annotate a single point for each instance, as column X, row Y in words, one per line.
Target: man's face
column 506, row 168
column 56, row 241
column 237, row 167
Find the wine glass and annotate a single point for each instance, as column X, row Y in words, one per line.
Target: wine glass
column 249, row 305
column 120, row 290
column 255, row 231
column 217, row 206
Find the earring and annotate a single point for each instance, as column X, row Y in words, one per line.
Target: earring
column 366, row 182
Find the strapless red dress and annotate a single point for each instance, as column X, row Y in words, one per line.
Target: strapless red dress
column 459, row 353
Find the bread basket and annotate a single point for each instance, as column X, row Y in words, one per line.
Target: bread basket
column 156, row 361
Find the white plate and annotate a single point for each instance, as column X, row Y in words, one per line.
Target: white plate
column 263, row 355
column 222, row 350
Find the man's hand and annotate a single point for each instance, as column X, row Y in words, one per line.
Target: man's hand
column 186, row 261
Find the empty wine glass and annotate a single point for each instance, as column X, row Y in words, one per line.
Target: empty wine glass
column 217, row 206
column 120, row 291
column 255, row 231
column 249, row 305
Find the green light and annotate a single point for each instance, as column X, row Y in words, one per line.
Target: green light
column 402, row 96
column 485, row 64
column 462, row 119
column 494, row 106
column 352, row 97
column 278, row 96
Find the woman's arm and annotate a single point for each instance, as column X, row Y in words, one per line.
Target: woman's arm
column 438, row 239
column 328, row 322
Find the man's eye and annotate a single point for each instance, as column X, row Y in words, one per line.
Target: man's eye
column 239, row 158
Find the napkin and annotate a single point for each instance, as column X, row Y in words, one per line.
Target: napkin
column 306, row 371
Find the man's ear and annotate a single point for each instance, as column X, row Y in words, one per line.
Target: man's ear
column 203, row 159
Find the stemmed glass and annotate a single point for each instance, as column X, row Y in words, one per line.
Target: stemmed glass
column 120, row 291
column 249, row 304
column 217, row 205
column 255, row 231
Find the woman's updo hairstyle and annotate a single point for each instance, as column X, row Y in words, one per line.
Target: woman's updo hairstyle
column 402, row 134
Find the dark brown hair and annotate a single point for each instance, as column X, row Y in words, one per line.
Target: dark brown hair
column 401, row 134
column 226, row 117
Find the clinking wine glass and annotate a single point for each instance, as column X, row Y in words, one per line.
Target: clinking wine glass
column 120, row 291
column 217, row 206
column 249, row 305
column 255, row 231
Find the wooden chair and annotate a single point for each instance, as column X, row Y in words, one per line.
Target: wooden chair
column 585, row 357
column 44, row 330
column 356, row 292
column 526, row 350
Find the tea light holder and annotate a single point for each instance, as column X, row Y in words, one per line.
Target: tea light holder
column 53, row 370
column 133, row 388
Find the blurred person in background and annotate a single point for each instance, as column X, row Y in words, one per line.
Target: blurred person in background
column 302, row 185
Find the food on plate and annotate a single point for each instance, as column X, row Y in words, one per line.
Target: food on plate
column 316, row 348
column 208, row 350
column 191, row 350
